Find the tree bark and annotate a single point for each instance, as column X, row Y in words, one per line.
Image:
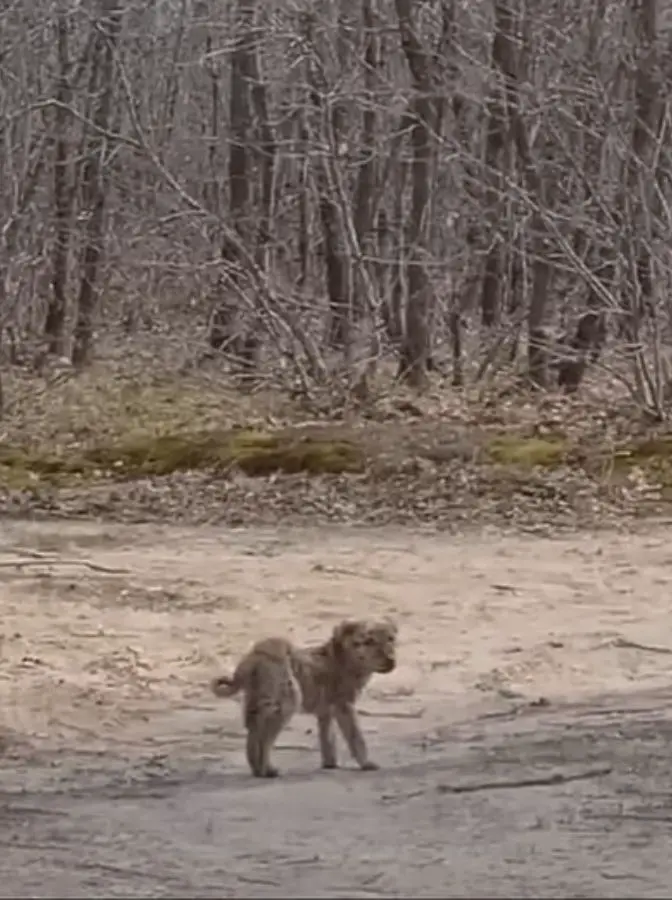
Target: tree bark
column 415, row 347
column 645, row 130
column 366, row 175
column 493, row 269
column 338, row 267
column 227, row 328
column 94, row 180
column 63, row 195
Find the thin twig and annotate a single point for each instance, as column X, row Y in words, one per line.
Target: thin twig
column 634, row 645
column 635, row 817
column 267, row 882
column 411, row 714
column 351, row 573
column 517, row 709
column 44, row 561
column 533, row 781
column 621, row 876
column 34, row 554
column 402, row 798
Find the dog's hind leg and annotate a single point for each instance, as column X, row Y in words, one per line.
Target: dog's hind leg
column 325, row 727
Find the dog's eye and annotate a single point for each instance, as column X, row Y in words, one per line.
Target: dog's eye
column 369, row 641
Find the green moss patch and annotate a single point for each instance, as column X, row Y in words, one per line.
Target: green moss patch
column 526, row 452
column 655, row 449
column 653, row 455
column 313, row 450
column 255, row 453
column 20, row 468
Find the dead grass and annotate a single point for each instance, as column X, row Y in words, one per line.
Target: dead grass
column 103, row 405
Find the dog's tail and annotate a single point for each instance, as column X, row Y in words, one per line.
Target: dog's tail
column 225, row 686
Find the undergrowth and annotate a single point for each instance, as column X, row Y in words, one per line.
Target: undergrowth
column 93, row 427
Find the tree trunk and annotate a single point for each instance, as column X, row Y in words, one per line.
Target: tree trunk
column 644, row 201
column 227, row 326
column 94, row 180
column 540, row 193
column 455, row 321
column 337, row 262
column 537, row 339
column 415, row 348
column 366, row 176
column 266, row 153
column 493, row 269
column 584, row 347
column 54, row 326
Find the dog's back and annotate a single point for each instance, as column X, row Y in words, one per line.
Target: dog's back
column 258, row 672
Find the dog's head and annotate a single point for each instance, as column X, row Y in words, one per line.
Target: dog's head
column 368, row 646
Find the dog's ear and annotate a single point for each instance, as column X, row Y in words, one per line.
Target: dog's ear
column 342, row 632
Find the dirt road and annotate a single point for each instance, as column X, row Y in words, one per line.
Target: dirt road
column 524, row 737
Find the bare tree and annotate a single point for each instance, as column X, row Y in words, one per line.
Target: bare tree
column 415, row 348
column 325, row 129
column 408, row 171
column 537, row 182
column 503, row 62
column 54, row 327
column 94, row 175
column 227, row 327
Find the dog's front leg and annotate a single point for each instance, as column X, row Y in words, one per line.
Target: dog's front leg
column 347, row 722
column 325, row 726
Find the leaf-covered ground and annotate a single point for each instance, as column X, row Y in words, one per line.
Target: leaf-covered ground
column 134, row 444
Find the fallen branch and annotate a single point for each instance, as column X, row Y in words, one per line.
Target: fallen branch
column 634, row 645
column 621, row 710
column 411, row 714
column 533, row 781
column 621, row 876
column 266, row 882
column 337, row 570
column 517, row 709
column 45, row 561
column 635, row 817
column 49, row 846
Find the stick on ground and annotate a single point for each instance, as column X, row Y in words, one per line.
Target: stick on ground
column 532, row 781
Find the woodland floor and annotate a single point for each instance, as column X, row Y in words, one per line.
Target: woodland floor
column 521, row 540
column 523, row 739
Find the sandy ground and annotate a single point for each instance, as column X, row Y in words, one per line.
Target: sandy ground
column 520, row 659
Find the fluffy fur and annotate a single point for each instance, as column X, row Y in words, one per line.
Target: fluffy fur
column 279, row 679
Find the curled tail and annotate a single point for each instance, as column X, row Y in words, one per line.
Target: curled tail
column 224, row 686
column 272, row 649
column 230, row 685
